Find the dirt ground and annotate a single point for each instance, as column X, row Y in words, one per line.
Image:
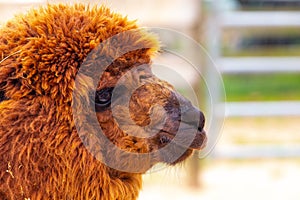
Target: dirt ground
column 235, row 179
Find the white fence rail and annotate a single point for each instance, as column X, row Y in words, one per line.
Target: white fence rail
column 246, row 65
column 219, row 20
column 262, row 19
column 252, row 109
column 258, row 64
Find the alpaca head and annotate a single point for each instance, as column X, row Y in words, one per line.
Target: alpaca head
column 95, row 68
column 142, row 119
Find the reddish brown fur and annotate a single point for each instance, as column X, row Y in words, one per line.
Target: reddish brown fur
column 42, row 156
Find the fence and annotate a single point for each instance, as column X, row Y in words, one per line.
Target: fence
column 218, row 19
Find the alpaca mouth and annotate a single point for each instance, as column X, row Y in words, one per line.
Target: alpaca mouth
column 184, row 126
column 178, row 146
column 185, row 129
column 200, row 140
column 188, row 137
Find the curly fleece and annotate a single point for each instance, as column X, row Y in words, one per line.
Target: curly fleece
column 42, row 156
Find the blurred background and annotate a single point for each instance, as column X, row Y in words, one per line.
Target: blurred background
column 255, row 44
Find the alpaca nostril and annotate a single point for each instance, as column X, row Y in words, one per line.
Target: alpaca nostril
column 200, row 129
column 201, row 121
column 194, row 117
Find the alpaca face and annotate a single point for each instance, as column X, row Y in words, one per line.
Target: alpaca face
column 142, row 119
column 149, row 116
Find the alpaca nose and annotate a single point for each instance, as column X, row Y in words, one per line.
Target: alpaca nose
column 189, row 114
column 193, row 117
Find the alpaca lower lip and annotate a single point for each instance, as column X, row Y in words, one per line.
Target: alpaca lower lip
column 198, row 141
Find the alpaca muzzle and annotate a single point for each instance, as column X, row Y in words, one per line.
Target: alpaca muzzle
column 185, row 123
column 195, row 120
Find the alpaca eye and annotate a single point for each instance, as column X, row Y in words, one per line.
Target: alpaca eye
column 103, row 97
column 164, row 139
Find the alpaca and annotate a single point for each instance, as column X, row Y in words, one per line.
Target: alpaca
column 52, row 103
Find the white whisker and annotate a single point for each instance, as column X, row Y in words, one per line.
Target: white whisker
column 9, row 56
